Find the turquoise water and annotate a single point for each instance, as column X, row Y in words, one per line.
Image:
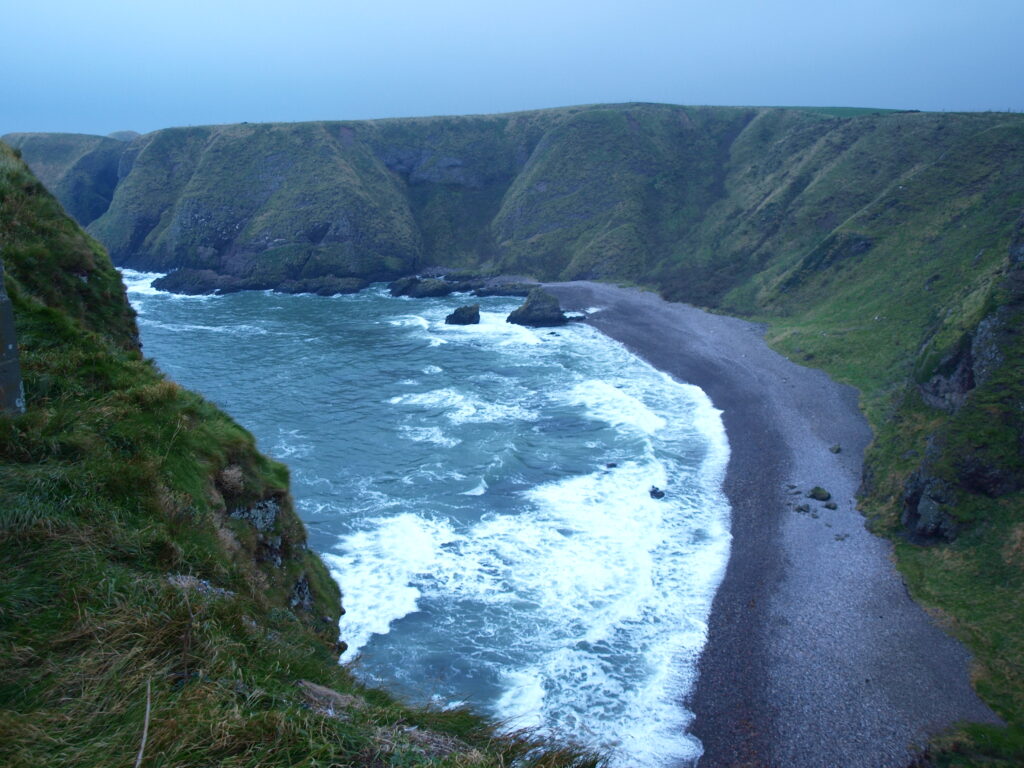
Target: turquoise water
column 481, row 495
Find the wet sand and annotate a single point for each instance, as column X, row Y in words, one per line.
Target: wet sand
column 816, row 655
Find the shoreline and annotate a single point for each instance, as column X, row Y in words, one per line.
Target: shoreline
column 816, row 655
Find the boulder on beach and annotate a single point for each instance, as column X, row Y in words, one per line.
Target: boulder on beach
column 540, row 310
column 819, row 494
column 467, row 315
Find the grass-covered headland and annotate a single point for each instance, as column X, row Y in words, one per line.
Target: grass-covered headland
column 158, row 604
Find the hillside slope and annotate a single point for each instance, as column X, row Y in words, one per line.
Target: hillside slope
column 158, row 603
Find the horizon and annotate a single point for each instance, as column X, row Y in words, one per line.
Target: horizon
column 113, row 66
column 809, row 108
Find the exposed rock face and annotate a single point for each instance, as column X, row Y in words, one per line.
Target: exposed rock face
column 505, row 289
column 12, row 394
column 948, row 388
column 201, row 281
column 540, row 310
column 980, row 448
column 927, row 508
column 467, row 315
column 301, row 595
column 422, row 288
column 263, row 514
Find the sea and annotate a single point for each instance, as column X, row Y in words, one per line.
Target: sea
column 482, row 496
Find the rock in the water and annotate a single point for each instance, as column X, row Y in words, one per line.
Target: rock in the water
column 831, row 505
column 417, row 288
column 540, row 310
column 656, row 492
column 328, row 285
column 819, row 494
column 194, row 282
column 467, row 315
column 401, row 286
column 837, row 448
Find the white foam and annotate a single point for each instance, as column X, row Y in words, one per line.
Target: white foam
column 478, row 490
column 463, row 408
column 433, row 435
column 431, row 369
column 140, row 283
column 381, row 590
column 616, row 406
column 494, row 329
column 241, row 329
column 291, row 443
column 410, row 321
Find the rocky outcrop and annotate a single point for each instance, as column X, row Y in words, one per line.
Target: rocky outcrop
column 202, row 281
column 12, row 392
column 979, row 448
column 502, row 288
column 422, row 288
column 540, row 310
column 466, row 315
column 927, row 509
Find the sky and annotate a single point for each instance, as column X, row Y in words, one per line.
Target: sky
column 97, row 66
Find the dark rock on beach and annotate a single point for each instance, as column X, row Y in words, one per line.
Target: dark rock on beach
column 504, row 289
column 819, row 494
column 466, row 315
column 540, row 310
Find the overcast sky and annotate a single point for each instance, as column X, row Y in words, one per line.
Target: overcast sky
column 96, row 66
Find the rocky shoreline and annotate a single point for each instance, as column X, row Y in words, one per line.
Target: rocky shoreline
column 816, row 655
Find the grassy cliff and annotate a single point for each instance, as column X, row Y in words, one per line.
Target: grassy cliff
column 157, row 599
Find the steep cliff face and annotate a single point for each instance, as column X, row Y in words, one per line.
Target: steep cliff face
column 731, row 207
column 157, row 597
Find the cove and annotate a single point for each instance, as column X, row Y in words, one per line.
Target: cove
column 481, row 495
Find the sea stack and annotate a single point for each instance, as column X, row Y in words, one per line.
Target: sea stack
column 540, row 310
column 467, row 315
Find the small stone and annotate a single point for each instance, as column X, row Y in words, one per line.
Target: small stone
column 831, row 505
column 819, row 494
column 837, row 448
column 803, row 508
